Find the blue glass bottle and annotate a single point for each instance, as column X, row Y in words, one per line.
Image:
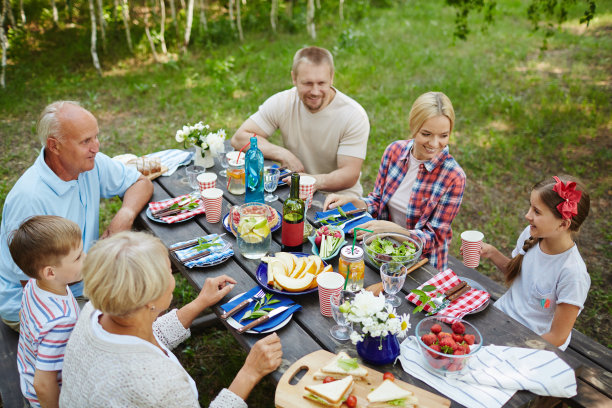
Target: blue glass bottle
column 254, row 167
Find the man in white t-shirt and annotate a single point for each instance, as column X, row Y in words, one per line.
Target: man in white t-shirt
column 325, row 132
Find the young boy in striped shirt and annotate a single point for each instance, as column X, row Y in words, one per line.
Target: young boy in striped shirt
column 48, row 249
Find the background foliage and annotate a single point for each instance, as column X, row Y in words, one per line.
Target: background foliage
column 523, row 113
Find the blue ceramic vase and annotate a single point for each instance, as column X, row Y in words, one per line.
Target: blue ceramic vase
column 377, row 350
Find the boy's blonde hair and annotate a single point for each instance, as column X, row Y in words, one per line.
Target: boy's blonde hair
column 43, row 240
column 126, row 271
column 427, row 106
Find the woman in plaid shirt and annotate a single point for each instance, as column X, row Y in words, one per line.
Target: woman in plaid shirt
column 419, row 184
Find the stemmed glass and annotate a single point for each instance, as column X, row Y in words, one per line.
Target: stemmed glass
column 192, row 176
column 222, row 156
column 393, row 275
column 339, row 301
column 271, row 175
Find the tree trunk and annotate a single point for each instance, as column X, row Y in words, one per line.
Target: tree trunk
column 148, row 33
column 274, row 14
column 239, row 21
column 115, row 8
column 310, row 25
column 94, row 53
column 188, row 25
column 4, row 48
column 55, row 15
column 162, row 30
column 126, row 23
column 174, row 21
column 341, row 10
column 230, row 9
column 318, row 3
column 21, row 12
column 102, row 24
column 183, row 4
column 203, row 22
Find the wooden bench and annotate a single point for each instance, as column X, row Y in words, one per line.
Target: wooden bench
column 594, row 379
column 10, row 391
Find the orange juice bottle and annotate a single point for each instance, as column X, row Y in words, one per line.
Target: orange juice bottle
column 351, row 262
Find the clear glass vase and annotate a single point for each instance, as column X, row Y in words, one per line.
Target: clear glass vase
column 203, row 158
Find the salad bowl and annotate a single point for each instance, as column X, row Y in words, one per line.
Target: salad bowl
column 383, row 247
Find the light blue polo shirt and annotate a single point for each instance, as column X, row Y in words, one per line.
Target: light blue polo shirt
column 39, row 191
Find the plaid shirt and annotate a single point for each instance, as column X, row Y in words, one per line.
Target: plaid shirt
column 434, row 202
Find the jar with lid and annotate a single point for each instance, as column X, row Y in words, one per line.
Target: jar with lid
column 235, row 173
column 351, row 262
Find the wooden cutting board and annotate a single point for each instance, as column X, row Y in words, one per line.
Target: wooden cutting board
column 290, row 396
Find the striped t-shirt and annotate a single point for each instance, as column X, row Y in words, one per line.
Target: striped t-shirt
column 46, row 321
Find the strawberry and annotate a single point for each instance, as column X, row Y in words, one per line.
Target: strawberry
column 469, row 339
column 457, row 337
column 447, row 344
column 436, row 328
column 435, row 347
column 429, row 338
column 466, row 347
column 441, row 335
column 459, row 351
column 458, row 327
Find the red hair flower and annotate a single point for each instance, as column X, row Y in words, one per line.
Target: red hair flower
column 569, row 207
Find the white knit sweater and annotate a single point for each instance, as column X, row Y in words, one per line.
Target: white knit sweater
column 98, row 373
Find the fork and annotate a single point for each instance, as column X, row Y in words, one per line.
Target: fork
column 341, row 226
column 243, row 304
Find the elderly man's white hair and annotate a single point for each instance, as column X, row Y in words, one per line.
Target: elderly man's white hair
column 48, row 123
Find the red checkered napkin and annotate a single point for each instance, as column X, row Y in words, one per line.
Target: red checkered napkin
column 445, row 280
column 160, row 205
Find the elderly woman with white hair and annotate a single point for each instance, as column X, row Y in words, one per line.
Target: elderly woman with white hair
column 119, row 352
column 419, row 185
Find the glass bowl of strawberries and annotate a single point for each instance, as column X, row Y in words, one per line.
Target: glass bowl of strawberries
column 447, row 343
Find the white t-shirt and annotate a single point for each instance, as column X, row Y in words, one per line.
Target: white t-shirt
column 544, row 282
column 398, row 203
column 341, row 128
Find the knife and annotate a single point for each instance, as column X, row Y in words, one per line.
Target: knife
column 263, row 319
column 450, row 296
column 243, row 304
column 351, row 212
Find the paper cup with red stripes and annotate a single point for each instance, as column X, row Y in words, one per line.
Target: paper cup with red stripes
column 206, row 181
column 307, row 189
column 328, row 282
column 471, row 243
column 213, row 200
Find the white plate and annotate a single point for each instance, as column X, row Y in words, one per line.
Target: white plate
column 475, row 285
column 236, row 325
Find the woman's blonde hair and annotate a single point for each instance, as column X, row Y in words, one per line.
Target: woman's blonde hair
column 126, row 271
column 427, row 106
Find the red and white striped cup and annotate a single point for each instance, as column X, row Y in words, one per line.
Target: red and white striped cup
column 213, row 200
column 328, row 282
column 207, row 180
column 471, row 243
column 307, row 189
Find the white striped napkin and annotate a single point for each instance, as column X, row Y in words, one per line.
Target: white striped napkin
column 172, row 159
column 494, row 374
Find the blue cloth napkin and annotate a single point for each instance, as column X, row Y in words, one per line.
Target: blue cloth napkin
column 219, row 252
column 273, row 322
column 172, row 159
column 340, row 220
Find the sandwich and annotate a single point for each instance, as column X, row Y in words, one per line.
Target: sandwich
column 388, row 394
column 331, row 394
column 341, row 366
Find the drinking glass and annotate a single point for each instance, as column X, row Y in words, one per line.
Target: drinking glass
column 393, row 275
column 192, row 176
column 271, row 175
column 339, row 301
column 222, row 156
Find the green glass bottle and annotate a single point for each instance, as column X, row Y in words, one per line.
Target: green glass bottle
column 294, row 209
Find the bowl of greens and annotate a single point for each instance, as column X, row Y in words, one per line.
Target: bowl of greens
column 386, row 247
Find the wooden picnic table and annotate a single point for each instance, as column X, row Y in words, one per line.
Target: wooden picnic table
column 308, row 330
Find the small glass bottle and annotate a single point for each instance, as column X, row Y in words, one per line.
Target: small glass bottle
column 235, row 174
column 351, row 262
column 292, row 231
column 254, row 167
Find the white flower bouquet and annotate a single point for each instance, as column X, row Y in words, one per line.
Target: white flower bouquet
column 374, row 317
column 198, row 135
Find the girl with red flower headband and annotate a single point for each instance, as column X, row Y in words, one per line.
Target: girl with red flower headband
column 547, row 277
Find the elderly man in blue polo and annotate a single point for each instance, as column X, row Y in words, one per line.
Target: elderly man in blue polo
column 68, row 179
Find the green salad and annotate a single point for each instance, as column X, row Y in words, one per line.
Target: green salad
column 385, row 249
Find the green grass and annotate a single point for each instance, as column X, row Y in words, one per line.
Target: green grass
column 522, row 114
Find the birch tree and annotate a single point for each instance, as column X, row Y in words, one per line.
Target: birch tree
column 274, row 14
column 149, row 37
column 4, row 42
column 94, row 53
column 162, row 30
column 8, row 11
column 55, row 14
column 230, row 9
column 188, row 25
column 238, row 21
column 102, row 23
column 341, row 9
column 310, row 25
column 173, row 14
column 203, row 22
column 21, row 12
column 125, row 11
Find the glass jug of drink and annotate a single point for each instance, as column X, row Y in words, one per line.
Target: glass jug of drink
column 351, row 263
column 235, row 173
column 249, row 223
